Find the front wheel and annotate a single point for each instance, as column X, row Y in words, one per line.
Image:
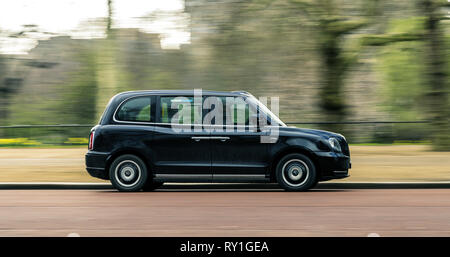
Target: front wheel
column 296, row 172
column 128, row 173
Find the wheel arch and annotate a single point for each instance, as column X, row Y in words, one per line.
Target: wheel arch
column 300, row 150
column 135, row 152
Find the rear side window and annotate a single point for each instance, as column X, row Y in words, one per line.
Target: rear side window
column 136, row 109
column 171, row 105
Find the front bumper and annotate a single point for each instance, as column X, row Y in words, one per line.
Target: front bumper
column 96, row 163
column 333, row 165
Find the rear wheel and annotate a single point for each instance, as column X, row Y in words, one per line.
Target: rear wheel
column 128, row 173
column 296, row 172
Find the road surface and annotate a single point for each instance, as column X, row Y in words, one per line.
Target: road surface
column 238, row 212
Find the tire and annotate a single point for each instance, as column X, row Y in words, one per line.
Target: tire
column 315, row 184
column 128, row 173
column 296, row 172
column 151, row 185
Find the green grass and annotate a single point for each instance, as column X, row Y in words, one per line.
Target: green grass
column 27, row 142
column 44, row 146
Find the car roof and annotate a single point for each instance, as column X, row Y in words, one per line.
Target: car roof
column 182, row 92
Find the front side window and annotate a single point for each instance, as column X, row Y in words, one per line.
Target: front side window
column 267, row 112
column 228, row 110
column 136, row 109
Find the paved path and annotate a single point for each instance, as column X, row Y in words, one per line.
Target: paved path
column 265, row 212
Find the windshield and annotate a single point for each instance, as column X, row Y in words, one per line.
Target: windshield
column 273, row 118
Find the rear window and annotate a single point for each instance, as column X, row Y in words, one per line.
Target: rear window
column 136, row 109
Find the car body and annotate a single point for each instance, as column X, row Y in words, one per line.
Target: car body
column 135, row 124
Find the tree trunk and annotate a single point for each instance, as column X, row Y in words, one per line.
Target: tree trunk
column 332, row 102
column 436, row 72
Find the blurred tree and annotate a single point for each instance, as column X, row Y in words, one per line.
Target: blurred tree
column 400, row 69
column 106, row 61
column 77, row 102
column 252, row 46
column 231, row 54
column 3, row 93
column 437, row 86
column 437, row 67
column 337, row 51
column 9, row 84
column 144, row 65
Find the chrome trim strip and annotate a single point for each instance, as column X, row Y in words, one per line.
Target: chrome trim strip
column 241, row 175
column 210, row 138
column 209, row 175
column 95, row 168
column 200, row 138
column 340, row 171
column 220, row 138
column 181, row 175
column 164, row 123
column 121, row 103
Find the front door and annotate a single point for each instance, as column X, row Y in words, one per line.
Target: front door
column 237, row 154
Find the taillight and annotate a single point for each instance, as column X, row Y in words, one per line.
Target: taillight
column 91, row 141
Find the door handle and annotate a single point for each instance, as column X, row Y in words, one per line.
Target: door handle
column 212, row 138
column 199, row 138
column 223, row 139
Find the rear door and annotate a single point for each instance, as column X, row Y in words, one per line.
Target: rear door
column 182, row 152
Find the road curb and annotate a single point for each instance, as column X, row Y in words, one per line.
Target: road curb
column 53, row 185
column 384, row 185
column 233, row 186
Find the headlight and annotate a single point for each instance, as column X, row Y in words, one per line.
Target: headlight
column 334, row 143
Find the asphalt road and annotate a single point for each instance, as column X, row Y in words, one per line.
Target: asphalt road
column 237, row 212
